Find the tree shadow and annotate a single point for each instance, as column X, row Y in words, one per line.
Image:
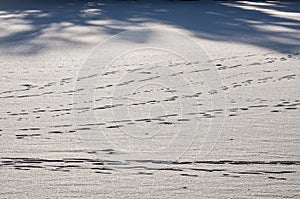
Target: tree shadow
column 31, row 26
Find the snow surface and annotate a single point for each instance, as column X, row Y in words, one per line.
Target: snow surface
column 54, row 133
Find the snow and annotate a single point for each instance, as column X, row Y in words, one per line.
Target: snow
column 86, row 106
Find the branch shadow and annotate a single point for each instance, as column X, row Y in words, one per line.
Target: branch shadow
column 31, row 26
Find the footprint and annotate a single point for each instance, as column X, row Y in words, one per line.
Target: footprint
column 115, row 126
column 55, row 132
column 275, row 178
column 189, row 175
column 291, row 108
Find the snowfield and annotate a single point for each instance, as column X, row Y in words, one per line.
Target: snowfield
column 149, row 99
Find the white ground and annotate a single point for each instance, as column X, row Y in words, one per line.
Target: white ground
column 253, row 45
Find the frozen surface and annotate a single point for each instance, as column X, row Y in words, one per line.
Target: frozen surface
column 254, row 47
